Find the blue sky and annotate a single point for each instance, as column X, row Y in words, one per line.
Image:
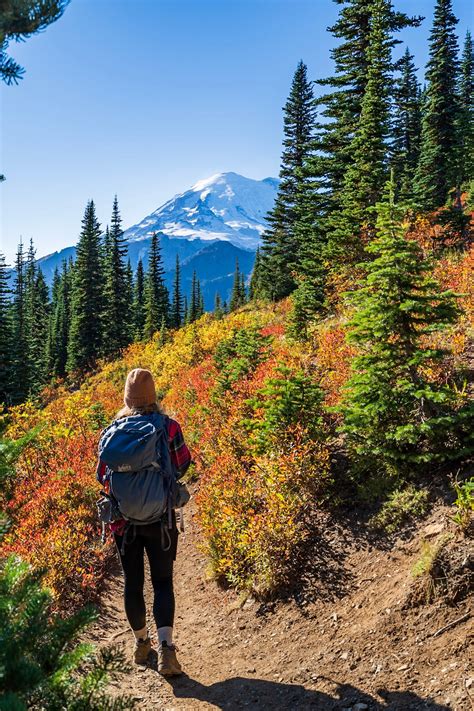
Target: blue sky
column 144, row 97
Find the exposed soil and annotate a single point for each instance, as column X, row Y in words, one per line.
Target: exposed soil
column 351, row 639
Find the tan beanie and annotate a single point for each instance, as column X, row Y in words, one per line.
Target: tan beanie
column 139, row 389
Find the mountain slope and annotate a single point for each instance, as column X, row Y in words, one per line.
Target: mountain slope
column 226, row 206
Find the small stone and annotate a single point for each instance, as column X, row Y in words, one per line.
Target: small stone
column 403, row 667
column 433, row 529
column 344, row 655
column 469, row 682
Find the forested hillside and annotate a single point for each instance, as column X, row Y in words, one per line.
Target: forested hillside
column 339, row 378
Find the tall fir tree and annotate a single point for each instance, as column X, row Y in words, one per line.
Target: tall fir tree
column 37, row 323
column 256, row 287
column 406, row 130
column 280, row 248
column 236, row 299
column 438, row 171
column 177, row 311
column 116, row 325
column 156, row 293
column 218, row 310
column 466, row 115
column 5, row 334
column 20, row 371
column 193, row 305
column 365, row 177
column 60, row 323
column 394, row 413
column 87, row 298
column 139, row 302
column 341, row 107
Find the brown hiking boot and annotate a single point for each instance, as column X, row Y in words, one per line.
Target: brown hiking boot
column 168, row 665
column 142, row 650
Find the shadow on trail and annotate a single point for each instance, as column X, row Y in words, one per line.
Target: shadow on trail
column 260, row 694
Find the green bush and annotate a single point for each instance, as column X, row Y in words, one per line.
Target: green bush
column 401, row 506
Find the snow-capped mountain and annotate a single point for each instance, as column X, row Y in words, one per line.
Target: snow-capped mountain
column 211, row 225
column 225, row 206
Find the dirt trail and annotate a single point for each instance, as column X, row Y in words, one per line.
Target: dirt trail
column 353, row 648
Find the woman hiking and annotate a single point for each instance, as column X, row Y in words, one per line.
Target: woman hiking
column 140, row 401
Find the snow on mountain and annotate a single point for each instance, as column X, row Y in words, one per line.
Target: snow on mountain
column 226, row 206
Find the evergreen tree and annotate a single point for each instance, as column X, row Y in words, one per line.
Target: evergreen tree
column 20, row 372
column 437, row 171
column 176, row 318
column 256, row 288
column 186, row 309
column 36, row 322
column 393, row 412
column 280, row 248
column 466, row 117
column 218, row 311
column 139, row 302
column 87, row 299
column 367, row 173
column 5, row 334
column 193, row 307
column 406, row 130
column 116, row 323
column 21, row 19
column 342, row 106
column 236, row 299
column 199, row 300
column 60, row 323
column 156, row 293
column 243, row 289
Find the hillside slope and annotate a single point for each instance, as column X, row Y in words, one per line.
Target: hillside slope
column 350, row 642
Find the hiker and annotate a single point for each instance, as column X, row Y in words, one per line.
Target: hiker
column 159, row 539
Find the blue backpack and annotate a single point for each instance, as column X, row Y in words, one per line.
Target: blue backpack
column 142, row 479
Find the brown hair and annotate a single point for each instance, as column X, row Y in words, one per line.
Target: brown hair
column 145, row 410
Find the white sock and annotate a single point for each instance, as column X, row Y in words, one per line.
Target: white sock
column 165, row 634
column 141, row 634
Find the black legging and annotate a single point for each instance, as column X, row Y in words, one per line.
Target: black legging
column 148, row 538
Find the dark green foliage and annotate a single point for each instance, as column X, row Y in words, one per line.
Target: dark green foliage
column 256, row 286
column 237, row 298
column 466, row 116
column 291, row 399
column 60, row 323
column 39, row 656
column 116, row 324
column 5, row 334
column 156, row 293
column 20, row 19
column 218, row 310
column 280, row 246
column 192, row 307
column 393, row 413
column 87, row 299
column 438, row 172
column 367, row 172
column 177, row 305
column 406, row 131
column 342, row 106
column 139, row 302
column 238, row 355
column 36, row 323
column 19, row 364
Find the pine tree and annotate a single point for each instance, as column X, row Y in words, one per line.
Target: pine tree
column 60, row 323
column 437, row 171
column 116, row 330
column 36, row 323
column 466, row 117
column 342, row 106
column 199, row 300
column 176, row 318
column 243, row 289
column 139, row 302
column 393, row 412
column 22, row 19
column 193, row 306
column 236, row 296
column 5, row 334
column 156, row 293
column 87, row 300
column 256, row 288
column 367, row 173
column 406, row 131
column 20, row 371
column 218, row 311
column 280, row 248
